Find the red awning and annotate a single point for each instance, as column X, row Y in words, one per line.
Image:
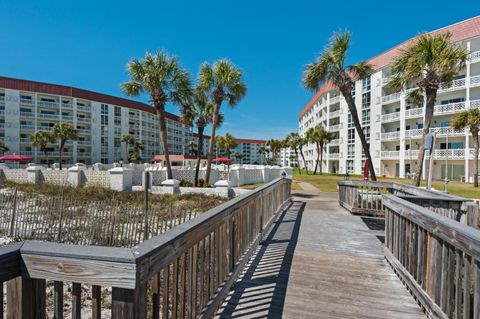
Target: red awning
column 16, row 158
column 222, row 160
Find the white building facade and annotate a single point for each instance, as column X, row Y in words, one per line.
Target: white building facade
column 101, row 120
column 392, row 126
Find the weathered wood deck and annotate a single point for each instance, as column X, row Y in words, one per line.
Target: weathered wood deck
column 319, row 261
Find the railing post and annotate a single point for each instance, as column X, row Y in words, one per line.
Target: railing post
column 14, row 212
column 146, row 179
column 473, row 215
column 26, row 298
column 130, row 303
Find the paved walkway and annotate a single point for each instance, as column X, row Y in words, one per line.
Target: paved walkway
column 320, row 262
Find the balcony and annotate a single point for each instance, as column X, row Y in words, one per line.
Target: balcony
column 334, row 142
column 475, row 57
column 84, row 142
column 454, row 85
column 334, row 156
column 444, row 131
column 84, row 154
column 447, row 153
column 85, row 108
column 2, row 98
column 48, row 104
column 335, row 128
column 48, row 116
column 391, row 98
column 27, row 101
column 27, row 127
column 27, row 114
column 391, row 117
column 84, row 119
column 335, row 99
column 67, row 105
column 415, row 133
column 67, row 118
column 390, row 155
column 475, row 104
column 413, row 113
column 475, row 80
column 84, row 131
column 449, row 108
column 390, row 136
column 334, row 114
column 386, row 80
column 25, row 141
column 28, row 153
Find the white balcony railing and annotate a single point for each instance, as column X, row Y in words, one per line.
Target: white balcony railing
column 454, row 85
column 27, row 127
column 86, row 108
column 450, row 153
column 48, row 116
column 84, row 142
column 475, row 80
column 390, row 154
column 334, row 156
column 84, row 119
column 335, row 114
column 444, row 131
column 25, row 140
column 390, row 117
column 474, row 56
column 335, row 142
column 414, row 133
column 391, row 98
column 336, row 127
column 335, row 99
column 475, row 104
column 386, row 80
column 449, row 108
column 416, row 112
column 48, row 104
column 389, row 136
column 27, row 114
column 27, row 153
column 67, row 105
column 27, row 101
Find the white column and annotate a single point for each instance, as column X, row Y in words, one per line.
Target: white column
column 402, row 135
column 121, row 179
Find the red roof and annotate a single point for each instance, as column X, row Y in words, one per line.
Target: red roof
column 40, row 87
column 460, row 31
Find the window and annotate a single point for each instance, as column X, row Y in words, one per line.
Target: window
column 117, row 111
column 365, row 100
column 365, row 117
column 350, row 166
column 366, row 132
column 366, row 84
column 351, row 151
column 350, row 121
column 353, row 90
column 351, row 136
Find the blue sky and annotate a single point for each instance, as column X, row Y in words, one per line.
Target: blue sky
column 86, row 44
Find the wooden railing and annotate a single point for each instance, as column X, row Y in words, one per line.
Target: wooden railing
column 183, row 273
column 365, row 198
column 436, row 257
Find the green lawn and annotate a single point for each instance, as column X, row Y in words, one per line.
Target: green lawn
column 328, row 183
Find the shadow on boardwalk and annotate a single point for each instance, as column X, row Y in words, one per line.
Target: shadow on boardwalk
column 261, row 291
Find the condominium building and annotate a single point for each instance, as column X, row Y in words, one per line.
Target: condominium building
column 100, row 119
column 392, row 125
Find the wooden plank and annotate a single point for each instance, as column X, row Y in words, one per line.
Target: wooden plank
column 129, row 303
column 21, row 301
column 10, row 261
column 58, row 300
column 96, row 302
column 422, row 297
column 102, row 273
column 76, row 300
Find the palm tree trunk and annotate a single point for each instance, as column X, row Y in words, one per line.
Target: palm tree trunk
column 216, row 109
column 126, row 153
column 475, row 157
column 60, row 153
column 199, row 152
column 298, row 162
column 316, row 162
column 353, row 110
column 46, row 157
column 427, row 122
column 303, row 159
column 321, row 159
column 163, row 134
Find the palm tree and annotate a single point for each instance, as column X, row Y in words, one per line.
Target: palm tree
column 191, row 147
column 426, row 63
column 320, row 137
column 135, row 155
column 222, row 81
column 293, row 141
column 301, row 143
column 3, row 147
column 229, row 142
column 330, row 66
column 128, row 140
column 470, row 119
column 42, row 139
column 262, row 151
column 64, row 132
column 275, row 146
column 238, row 157
column 219, row 142
column 200, row 113
column 161, row 77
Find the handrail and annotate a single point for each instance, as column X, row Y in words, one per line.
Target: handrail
column 205, row 255
column 436, row 257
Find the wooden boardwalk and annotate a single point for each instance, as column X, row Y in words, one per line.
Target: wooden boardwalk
column 320, row 262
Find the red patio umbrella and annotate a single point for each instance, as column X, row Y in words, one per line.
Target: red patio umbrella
column 222, row 160
column 16, row 158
